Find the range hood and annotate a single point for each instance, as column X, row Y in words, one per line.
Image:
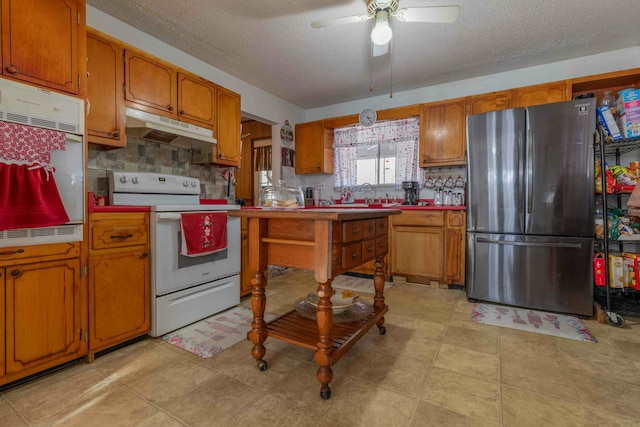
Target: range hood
column 152, row 127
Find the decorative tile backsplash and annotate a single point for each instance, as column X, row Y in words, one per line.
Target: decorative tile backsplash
column 145, row 156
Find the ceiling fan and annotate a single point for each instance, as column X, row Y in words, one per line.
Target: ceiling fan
column 382, row 10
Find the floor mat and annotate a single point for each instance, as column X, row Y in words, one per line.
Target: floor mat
column 212, row 335
column 558, row 325
column 357, row 284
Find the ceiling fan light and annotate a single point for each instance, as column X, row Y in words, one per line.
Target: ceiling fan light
column 381, row 33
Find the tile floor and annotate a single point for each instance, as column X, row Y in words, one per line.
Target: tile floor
column 434, row 367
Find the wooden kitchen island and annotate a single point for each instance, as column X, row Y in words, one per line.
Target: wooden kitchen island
column 329, row 242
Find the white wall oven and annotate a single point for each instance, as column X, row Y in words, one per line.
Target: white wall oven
column 184, row 288
column 42, row 191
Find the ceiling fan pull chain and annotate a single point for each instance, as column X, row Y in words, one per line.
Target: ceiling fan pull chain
column 371, row 70
column 391, row 69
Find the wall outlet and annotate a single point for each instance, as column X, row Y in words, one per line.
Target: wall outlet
column 319, row 186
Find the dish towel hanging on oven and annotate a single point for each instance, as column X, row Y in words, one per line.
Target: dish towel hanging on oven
column 203, row 233
column 29, row 196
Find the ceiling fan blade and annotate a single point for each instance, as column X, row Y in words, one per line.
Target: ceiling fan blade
column 340, row 21
column 380, row 50
column 443, row 14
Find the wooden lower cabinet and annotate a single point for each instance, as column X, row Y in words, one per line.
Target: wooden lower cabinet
column 428, row 246
column 44, row 307
column 119, row 300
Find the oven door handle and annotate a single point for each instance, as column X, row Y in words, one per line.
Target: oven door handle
column 168, row 217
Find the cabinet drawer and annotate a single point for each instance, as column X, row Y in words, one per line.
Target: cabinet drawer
column 420, row 218
column 368, row 249
column 368, row 228
column 119, row 233
column 455, row 219
column 57, row 250
column 351, row 231
column 382, row 245
column 382, row 226
column 351, row 255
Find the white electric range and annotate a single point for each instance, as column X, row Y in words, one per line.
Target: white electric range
column 183, row 289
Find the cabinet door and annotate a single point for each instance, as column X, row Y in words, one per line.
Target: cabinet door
column 455, row 247
column 150, row 83
column 119, row 309
column 246, row 274
column 314, row 148
column 228, row 130
column 105, row 99
column 43, row 314
column 541, row 94
column 493, row 101
column 418, row 251
column 442, row 135
column 40, row 42
column 196, row 99
column 2, row 320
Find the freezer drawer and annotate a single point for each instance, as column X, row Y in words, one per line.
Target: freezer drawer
column 538, row 272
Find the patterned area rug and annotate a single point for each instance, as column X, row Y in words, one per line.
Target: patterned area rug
column 540, row 322
column 357, row 284
column 212, row 335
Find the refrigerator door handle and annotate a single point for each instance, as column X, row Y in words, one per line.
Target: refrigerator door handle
column 528, row 160
column 534, row 244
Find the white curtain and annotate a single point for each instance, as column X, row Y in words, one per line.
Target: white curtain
column 404, row 133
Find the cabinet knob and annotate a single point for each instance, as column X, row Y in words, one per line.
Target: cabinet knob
column 116, row 134
column 170, row 107
column 354, row 255
column 16, row 273
column 181, row 112
column 355, row 230
column 370, row 249
column 13, row 69
column 145, row 254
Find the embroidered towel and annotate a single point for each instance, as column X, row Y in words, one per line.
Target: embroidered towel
column 203, row 233
column 29, row 195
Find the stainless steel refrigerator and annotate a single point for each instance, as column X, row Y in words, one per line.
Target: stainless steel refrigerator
column 530, row 207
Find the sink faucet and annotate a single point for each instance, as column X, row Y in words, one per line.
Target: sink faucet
column 371, row 190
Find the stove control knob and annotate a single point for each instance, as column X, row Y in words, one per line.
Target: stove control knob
column 134, row 180
column 185, row 183
column 123, row 179
column 193, row 184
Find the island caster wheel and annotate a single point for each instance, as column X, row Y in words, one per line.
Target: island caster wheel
column 473, row 300
column 382, row 330
column 325, row 395
column 262, row 365
column 615, row 320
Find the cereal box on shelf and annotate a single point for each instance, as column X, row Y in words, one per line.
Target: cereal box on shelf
column 605, row 117
column 616, row 271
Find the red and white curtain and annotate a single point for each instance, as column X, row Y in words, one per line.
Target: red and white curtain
column 29, row 196
column 405, row 134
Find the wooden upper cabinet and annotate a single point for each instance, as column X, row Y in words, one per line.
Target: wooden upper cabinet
column 442, row 134
column 541, row 94
column 493, row 101
column 150, row 83
column 105, row 99
column 314, row 148
column 227, row 150
column 42, row 42
column 196, row 99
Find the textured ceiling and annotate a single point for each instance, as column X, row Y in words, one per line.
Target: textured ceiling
column 271, row 44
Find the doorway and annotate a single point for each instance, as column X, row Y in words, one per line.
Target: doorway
column 245, row 176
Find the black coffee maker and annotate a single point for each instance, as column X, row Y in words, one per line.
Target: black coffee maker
column 410, row 192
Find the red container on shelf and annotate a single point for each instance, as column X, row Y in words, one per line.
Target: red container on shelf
column 598, row 270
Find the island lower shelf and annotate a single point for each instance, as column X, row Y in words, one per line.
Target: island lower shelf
column 299, row 330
